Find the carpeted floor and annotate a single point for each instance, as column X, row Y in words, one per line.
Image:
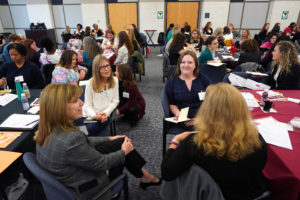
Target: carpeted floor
column 147, row 135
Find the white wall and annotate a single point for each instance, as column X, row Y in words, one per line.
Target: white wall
column 148, row 17
column 40, row 11
column 93, row 11
column 275, row 12
column 218, row 10
column 1, row 27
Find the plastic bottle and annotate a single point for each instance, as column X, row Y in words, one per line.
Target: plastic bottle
column 26, row 90
column 25, row 103
column 264, row 97
column 19, row 90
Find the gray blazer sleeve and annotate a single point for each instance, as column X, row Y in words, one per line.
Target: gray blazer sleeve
column 97, row 140
column 80, row 153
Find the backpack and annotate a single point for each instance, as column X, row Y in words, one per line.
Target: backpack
column 161, row 40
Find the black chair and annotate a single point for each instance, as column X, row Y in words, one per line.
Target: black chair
column 168, row 69
column 47, row 72
column 55, row 190
column 89, row 73
column 215, row 74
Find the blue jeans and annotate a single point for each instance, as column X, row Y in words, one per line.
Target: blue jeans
column 97, row 128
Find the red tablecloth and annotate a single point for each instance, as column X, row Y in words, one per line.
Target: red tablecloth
column 283, row 165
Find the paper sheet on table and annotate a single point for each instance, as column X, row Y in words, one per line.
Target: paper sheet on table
column 182, row 117
column 7, row 98
column 250, row 100
column 294, row 100
column 20, row 121
column 274, row 132
column 226, row 57
column 8, row 137
column 7, row 158
column 108, row 54
column 236, row 80
column 253, row 85
column 215, row 64
column 257, row 73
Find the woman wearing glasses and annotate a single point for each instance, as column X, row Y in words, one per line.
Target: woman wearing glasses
column 101, row 96
column 67, row 70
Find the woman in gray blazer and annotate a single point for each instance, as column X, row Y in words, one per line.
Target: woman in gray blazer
column 77, row 161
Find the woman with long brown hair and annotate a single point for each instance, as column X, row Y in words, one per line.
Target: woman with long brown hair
column 132, row 103
column 227, row 145
column 177, row 47
column 125, row 48
column 32, row 54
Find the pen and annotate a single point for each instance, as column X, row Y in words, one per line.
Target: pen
column 31, row 122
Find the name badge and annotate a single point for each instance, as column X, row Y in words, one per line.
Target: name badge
column 126, row 95
column 19, row 78
column 201, row 96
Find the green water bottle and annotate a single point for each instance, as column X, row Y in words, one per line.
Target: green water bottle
column 19, row 90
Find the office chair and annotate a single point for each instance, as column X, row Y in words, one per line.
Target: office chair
column 47, row 72
column 55, row 190
column 168, row 69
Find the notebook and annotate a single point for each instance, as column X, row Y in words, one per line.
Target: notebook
column 20, row 122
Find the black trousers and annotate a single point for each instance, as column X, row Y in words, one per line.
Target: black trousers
column 133, row 161
column 132, row 113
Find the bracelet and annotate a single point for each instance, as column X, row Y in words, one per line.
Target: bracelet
column 173, row 142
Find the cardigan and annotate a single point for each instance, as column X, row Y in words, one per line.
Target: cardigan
column 242, row 179
column 71, row 158
column 30, row 72
column 284, row 81
column 205, row 56
column 97, row 102
column 122, row 57
column 135, row 99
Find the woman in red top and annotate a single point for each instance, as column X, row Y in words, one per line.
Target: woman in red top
column 132, row 103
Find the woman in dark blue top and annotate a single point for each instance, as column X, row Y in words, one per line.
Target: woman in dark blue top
column 182, row 90
column 20, row 67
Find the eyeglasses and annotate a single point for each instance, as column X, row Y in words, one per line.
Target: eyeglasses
column 105, row 67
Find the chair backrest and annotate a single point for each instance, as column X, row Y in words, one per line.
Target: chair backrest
column 165, row 102
column 215, row 74
column 89, row 73
column 193, row 184
column 47, row 72
column 53, row 189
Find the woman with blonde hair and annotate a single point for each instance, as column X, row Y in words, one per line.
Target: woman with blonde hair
column 101, row 96
column 66, row 34
column 136, row 45
column 170, row 34
column 91, row 49
column 79, row 162
column 196, row 39
column 286, row 69
column 219, row 35
column 227, row 145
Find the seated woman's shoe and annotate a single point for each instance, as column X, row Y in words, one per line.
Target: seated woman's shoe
column 145, row 185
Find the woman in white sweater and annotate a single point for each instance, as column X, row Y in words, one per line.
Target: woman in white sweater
column 125, row 48
column 101, row 97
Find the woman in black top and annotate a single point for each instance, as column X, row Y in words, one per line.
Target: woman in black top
column 227, row 145
column 177, row 48
column 207, row 29
column 263, row 33
column 286, row 69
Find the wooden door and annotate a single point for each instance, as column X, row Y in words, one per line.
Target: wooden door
column 181, row 12
column 121, row 15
